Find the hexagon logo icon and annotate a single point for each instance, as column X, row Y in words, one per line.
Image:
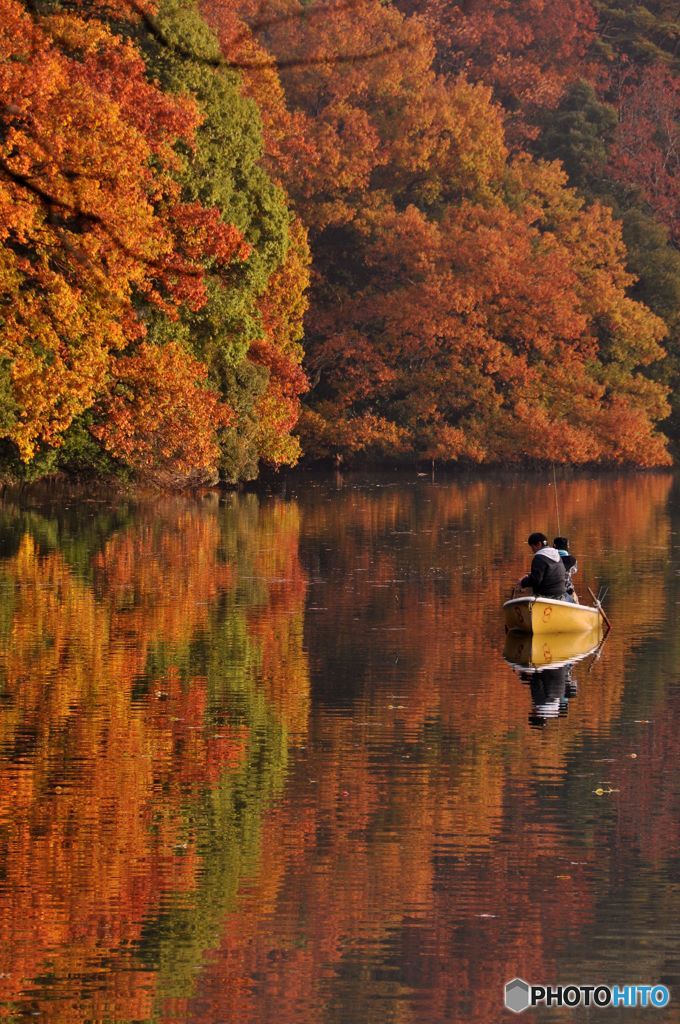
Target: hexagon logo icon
column 517, row 995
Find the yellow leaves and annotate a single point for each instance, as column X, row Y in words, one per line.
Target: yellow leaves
column 478, row 146
column 161, row 417
column 286, row 299
column 78, row 201
column 473, row 306
column 332, row 429
column 75, row 33
column 634, row 332
column 541, row 188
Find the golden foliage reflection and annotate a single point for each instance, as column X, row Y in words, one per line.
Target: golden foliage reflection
column 185, row 837
column 111, row 732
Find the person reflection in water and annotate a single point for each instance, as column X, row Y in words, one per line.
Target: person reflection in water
column 551, row 691
column 547, row 577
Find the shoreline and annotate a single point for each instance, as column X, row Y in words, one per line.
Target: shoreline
column 111, row 489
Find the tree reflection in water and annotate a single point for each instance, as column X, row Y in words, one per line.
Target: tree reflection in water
column 262, row 761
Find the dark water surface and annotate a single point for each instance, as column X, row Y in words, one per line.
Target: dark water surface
column 262, row 759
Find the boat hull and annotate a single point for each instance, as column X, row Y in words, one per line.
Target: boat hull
column 535, row 652
column 547, row 615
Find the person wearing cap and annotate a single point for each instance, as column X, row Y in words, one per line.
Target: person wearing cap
column 570, row 564
column 547, row 576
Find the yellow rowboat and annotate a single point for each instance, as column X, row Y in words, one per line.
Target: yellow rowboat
column 547, row 615
column 535, row 652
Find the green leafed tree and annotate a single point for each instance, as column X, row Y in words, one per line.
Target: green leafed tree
column 645, row 32
column 579, row 134
column 225, row 171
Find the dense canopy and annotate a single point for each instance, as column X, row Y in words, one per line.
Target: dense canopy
column 449, row 229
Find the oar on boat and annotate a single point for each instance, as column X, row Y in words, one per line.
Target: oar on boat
column 598, row 605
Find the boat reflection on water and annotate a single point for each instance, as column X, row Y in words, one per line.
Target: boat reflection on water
column 546, row 663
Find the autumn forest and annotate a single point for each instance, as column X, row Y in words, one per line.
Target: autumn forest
column 235, row 233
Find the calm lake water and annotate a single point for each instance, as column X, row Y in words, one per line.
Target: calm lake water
column 262, row 759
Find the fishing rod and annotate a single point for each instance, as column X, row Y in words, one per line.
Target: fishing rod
column 557, row 507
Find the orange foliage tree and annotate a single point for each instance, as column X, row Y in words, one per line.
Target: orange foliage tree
column 76, row 197
column 102, row 241
column 161, row 416
column 528, row 51
column 464, row 305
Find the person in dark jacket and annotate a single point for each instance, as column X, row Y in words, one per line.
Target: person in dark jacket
column 547, row 577
column 570, row 564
